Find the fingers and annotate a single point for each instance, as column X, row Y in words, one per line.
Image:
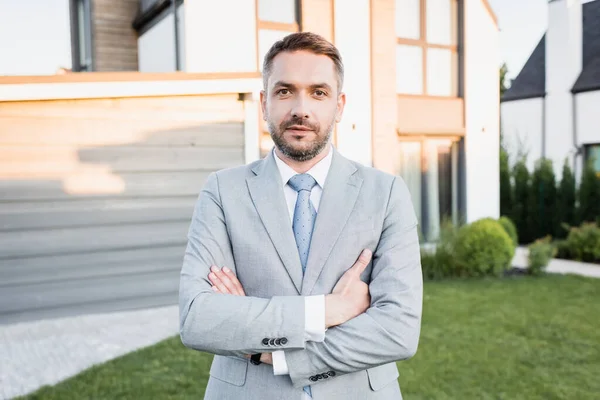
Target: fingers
column 363, row 260
column 225, row 281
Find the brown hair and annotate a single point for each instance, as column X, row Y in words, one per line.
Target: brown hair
column 304, row 41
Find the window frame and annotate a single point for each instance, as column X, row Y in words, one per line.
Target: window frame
column 424, row 45
column 78, row 26
column 275, row 26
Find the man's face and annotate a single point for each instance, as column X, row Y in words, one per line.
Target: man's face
column 302, row 103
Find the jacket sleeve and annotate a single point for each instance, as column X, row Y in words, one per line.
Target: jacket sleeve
column 389, row 329
column 226, row 324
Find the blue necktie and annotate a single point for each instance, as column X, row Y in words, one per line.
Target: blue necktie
column 304, row 219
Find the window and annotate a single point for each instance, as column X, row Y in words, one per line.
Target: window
column 275, row 19
column 426, row 51
column 82, row 32
column 592, row 152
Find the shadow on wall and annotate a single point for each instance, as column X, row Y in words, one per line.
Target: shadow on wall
column 108, row 232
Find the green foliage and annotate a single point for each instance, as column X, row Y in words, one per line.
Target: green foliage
column 565, row 207
column 543, row 200
column 589, row 194
column 502, row 73
column 510, row 228
column 520, row 212
column 540, row 253
column 505, row 184
column 582, row 243
column 483, row 248
column 440, row 263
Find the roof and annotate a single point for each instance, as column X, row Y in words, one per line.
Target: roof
column 531, row 81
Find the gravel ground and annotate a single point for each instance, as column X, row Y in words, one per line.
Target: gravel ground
column 33, row 354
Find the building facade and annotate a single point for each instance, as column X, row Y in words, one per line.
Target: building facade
column 551, row 109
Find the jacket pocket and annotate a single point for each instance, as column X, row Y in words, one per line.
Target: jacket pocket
column 229, row 369
column 382, row 375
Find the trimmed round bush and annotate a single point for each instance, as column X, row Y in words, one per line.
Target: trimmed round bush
column 510, row 228
column 483, row 248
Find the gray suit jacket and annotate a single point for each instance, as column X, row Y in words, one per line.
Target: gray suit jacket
column 241, row 221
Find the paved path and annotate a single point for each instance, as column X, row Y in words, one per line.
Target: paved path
column 33, row 354
column 559, row 266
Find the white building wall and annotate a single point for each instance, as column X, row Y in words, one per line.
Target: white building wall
column 522, row 128
column 352, row 38
column 482, row 118
column 221, row 36
column 563, row 66
column 587, row 122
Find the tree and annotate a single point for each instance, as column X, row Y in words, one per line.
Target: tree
column 543, row 200
column 520, row 211
column 566, row 201
column 503, row 72
column 505, row 184
column 589, row 194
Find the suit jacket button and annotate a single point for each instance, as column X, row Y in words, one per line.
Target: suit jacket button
column 265, row 341
column 284, row 340
column 278, row 342
column 272, row 342
column 331, row 373
column 313, row 378
column 325, row 376
column 319, row 376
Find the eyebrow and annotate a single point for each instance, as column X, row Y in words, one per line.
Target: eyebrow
column 292, row 86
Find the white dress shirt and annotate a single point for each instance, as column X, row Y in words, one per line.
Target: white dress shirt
column 314, row 305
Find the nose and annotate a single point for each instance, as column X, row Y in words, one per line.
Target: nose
column 300, row 108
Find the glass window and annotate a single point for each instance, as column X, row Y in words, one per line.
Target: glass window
column 84, row 35
column 593, row 152
column 441, row 71
column 441, row 16
column 408, row 19
column 409, row 69
column 409, row 168
column 283, row 11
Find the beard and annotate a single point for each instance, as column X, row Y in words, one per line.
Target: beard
column 300, row 151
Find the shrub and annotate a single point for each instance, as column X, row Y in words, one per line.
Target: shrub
column 510, row 228
column 439, row 262
column 483, row 248
column 540, row 253
column 583, row 243
column 505, row 184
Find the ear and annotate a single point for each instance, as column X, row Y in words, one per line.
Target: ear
column 263, row 104
column 341, row 103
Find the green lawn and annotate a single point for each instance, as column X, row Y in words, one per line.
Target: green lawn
column 519, row 338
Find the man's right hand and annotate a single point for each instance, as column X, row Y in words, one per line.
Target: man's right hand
column 350, row 296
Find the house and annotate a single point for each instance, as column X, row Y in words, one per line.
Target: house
column 551, row 108
column 114, row 153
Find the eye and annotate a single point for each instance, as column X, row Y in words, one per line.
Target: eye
column 283, row 91
column 320, row 93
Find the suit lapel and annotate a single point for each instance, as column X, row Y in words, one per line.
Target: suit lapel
column 337, row 201
column 266, row 190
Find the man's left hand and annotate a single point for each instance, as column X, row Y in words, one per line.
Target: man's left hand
column 224, row 281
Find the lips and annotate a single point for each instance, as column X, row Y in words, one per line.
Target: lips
column 299, row 128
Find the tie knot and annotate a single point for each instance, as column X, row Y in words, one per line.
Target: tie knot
column 302, row 182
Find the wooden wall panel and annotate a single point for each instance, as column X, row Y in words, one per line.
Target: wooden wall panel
column 92, row 191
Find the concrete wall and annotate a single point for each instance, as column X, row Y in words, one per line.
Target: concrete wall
column 352, row 37
column 481, row 112
column 96, row 197
column 522, row 128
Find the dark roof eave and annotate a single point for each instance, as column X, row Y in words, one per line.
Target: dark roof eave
column 522, row 97
column 590, row 88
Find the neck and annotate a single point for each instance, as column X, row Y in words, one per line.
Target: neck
column 303, row 166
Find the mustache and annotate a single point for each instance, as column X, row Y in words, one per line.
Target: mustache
column 298, row 122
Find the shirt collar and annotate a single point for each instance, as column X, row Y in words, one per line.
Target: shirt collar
column 319, row 171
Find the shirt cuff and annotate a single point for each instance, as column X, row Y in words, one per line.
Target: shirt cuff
column 279, row 364
column 314, row 318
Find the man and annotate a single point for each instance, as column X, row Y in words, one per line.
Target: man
column 302, row 271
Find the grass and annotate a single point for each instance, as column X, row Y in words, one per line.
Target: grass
column 521, row 338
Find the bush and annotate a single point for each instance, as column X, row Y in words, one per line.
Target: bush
column 520, row 212
column 583, row 243
column 505, row 184
column 439, row 262
column 510, row 228
column 540, row 253
column 483, row 248
column 589, row 194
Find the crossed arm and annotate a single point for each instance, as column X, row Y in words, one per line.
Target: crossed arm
column 387, row 331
